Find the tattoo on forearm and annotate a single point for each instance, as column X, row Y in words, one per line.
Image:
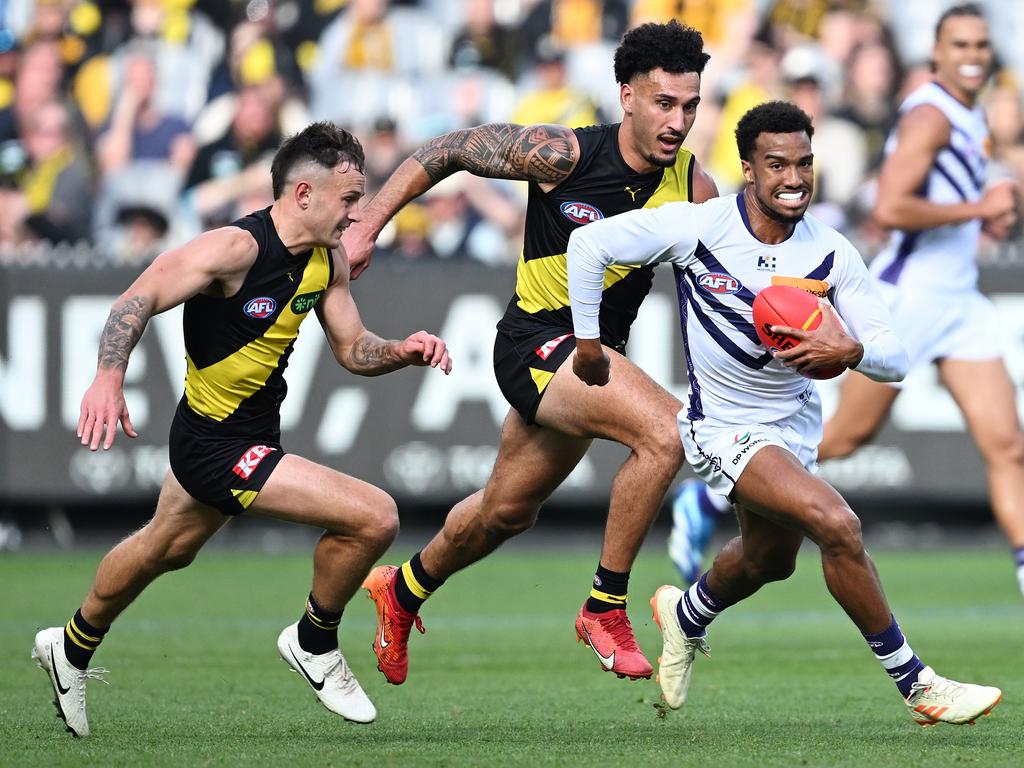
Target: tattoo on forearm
column 541, row 153
column 371, row 354
column 122, row 332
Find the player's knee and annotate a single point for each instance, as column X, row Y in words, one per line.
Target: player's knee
column 837, row 530
column 1006, row 449
column 383, row 526
column 664, row 446
column 175, row 556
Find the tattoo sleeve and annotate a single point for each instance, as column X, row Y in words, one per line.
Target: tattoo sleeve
column 122, row 331
column 541, row 153
column 372, row 356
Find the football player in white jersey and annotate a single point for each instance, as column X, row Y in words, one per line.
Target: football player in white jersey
column 928, row 272
column 753, row 423
column 932, row 195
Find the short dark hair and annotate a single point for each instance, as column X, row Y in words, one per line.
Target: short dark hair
column 770, row 117
column 323, row 143
column 673, row 47
column 964, row 9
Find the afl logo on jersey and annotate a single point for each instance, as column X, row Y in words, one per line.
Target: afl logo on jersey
column 581, row 213
column 260, row 307
column 716, row 282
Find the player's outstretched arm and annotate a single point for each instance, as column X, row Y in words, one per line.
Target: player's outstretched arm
column 172, row 278
column 545, row 154
column 363, row 352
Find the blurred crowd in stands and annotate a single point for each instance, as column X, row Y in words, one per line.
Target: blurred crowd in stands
column 131, row 125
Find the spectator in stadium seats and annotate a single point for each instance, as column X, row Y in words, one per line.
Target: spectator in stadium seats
column 549, row 97
column 50, row 202
column 234, row 167
column 141, row 234
column 138, row 130
column 483, row 42
column 873, row 75
column 384, row 153
column 38, row 78
column 1006, row 122
column 574, row 23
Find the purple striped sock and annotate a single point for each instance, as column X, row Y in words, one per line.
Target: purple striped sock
column 698, row 608
column 896, row 656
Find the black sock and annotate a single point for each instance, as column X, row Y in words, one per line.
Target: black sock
column 609, row 590
column 413, row 585
column 81, row 639
column 318, row 628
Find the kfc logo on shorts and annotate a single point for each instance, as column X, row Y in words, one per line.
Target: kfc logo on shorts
column 260, row 307
column 581, row 213
column 718, row 283
column 544, row 350
column 250, row 460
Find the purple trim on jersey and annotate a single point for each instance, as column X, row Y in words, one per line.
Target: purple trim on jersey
column 937, row 166
column 695, row 411
column 979, row 183
column 723, row 341
column 891, row 274
column 707, row 258
column 821, row 271
column 735, row 319
column 746, row 222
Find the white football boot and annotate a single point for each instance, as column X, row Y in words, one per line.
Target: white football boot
column 67, row 680
column 676, row 661
column 934, row 699
column 329, row 676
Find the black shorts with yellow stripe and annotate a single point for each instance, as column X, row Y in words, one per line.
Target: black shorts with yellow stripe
column 525, row 363
column 226, row 472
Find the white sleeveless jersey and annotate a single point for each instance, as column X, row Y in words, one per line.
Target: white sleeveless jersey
column 942, row 258
column 720, row 266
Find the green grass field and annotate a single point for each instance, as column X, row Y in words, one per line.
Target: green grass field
column 499, row 680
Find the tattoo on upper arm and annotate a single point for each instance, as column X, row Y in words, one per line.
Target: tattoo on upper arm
column 541, row 153
column 122, row 331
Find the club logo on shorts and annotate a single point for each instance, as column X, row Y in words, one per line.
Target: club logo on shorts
column 718, row 283
column 260, row 307
column 581, row 213
column 545, row 350
column 250, row 460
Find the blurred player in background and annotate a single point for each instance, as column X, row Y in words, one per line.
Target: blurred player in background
column 246, row 288
column 753, row 424
column 576, row 177
column 932, row 193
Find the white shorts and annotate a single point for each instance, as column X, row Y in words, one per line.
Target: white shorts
column 719, row 452
column 933, row 326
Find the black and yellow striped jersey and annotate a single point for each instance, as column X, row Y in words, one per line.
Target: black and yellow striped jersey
column 238, row 347
column 600, row 185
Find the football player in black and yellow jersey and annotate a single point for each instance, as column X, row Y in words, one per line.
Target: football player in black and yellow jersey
column 246, row 289
column 575, row 177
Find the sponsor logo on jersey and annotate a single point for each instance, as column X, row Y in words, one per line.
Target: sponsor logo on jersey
column 302, row 303
column 819, row 288
column 545, row 350
column 250, row 460
column 581, row 213
column 260, row 307
column 718, row 283
column 766, row 262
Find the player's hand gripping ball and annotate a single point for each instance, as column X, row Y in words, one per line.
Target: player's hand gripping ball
column 796, row 308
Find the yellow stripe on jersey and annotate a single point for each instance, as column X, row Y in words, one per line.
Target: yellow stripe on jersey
column 543, row 283
column 217, row 390
column 245, row 498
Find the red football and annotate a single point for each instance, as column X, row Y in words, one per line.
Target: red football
column 786, row 305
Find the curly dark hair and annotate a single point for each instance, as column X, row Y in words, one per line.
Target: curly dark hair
column 673, row 47
column 770, row 117
column 324, row 143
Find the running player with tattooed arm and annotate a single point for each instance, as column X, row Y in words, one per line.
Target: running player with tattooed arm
column 576, row 177
column 753, row 423
column 246, row 289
